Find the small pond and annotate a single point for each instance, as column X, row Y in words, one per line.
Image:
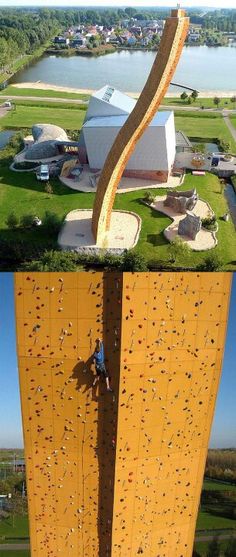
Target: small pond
column 209, row 147
column 231, row 200
column 5, row 135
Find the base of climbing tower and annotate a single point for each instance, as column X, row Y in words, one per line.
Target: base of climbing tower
column 76, row 233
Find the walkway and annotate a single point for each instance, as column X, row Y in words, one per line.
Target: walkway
column 14, row 546
column 229, row 125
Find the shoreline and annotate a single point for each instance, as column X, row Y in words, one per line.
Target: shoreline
column 47, row 86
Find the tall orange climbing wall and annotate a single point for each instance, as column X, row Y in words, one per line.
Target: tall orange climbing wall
column 164, row 66
column 118, row 474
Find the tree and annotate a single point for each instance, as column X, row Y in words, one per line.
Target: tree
column 233, row 100
column 211, row 263
column 178, row 250
column 194, row 95
column 184, row 96
column 133, row 262
column 216, row 101
column 130, row 12
column 230, row 550
column 213, row 548
column 12, row 220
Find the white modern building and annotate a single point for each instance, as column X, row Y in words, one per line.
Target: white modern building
column 108, row 111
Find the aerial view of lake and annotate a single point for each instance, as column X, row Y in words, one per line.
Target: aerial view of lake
column 201, row 67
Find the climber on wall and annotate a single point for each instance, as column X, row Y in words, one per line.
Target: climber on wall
column 98, row 359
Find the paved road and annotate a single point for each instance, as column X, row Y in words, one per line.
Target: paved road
column 49, row 99
column 190, row 108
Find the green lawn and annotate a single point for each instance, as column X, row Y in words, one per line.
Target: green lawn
column 20, row 529
column 233, row 120
column 50, row 93
column 23, row 194
column 203, row 128
column 25, row 117
column 208, row 521
column 211, row 485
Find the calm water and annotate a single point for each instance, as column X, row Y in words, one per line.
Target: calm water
column 4, row 138
column 200, row 67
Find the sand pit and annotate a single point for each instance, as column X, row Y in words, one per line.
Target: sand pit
column 205, row 239
column 76, row 233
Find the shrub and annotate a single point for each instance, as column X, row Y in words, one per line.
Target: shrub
column 211, row 263
column 52, row 223
column 12, row 220
column 54, row 261
column 133, row 262
column 210, row 222
column 48, row 188
column 149, row 197
column 27, row 221
column 178, row 250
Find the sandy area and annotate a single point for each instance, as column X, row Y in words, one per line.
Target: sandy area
column 48, row 86
column 204, row 240
column 76, row 233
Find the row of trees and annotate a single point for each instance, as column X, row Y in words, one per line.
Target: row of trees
column 22, row 33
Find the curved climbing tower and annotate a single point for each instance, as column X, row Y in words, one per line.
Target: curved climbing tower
column 164, row 66
column 118, row 474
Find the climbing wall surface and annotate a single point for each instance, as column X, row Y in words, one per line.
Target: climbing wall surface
column 118, row 474
column 173, row 334
column 69, row 428
column 165, row 63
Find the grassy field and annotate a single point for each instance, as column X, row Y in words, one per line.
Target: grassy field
column 21, row 529
column 233, row 120
column 25, row 116
column 203, row 128
column 51, row 94
column 22, row 194
column 211, row 485
column 208, row 521
column 207, row 127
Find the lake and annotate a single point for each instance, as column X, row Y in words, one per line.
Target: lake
column 201, row 67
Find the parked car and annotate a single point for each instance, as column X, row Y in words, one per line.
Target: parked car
column 43, row 173
column 215, row 161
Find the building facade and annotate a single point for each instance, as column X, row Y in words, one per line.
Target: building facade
column 118, row 474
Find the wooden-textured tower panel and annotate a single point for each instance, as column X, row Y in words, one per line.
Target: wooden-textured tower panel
column 163, row 69
column 118, row 474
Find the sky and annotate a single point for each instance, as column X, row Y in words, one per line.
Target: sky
column 122, row 3
column 224, row 426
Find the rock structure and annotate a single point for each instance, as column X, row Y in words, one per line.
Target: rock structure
column 164, row 66
column 181, row 201
column 46, row 141
column 118, row 474
column 190, row 226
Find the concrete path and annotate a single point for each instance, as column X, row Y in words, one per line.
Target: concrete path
column 3, row 111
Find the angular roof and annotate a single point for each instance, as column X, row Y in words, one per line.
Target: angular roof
column 159, row 120
column 108, row 101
